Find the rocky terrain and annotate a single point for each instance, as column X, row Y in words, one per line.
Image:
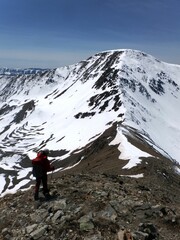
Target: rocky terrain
column 94, row 201
column 93, row 206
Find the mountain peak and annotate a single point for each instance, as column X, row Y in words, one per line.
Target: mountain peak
column 125, row 96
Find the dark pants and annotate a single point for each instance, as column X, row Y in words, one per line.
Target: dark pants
column 40, row 180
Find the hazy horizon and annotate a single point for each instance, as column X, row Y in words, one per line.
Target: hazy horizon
column 50, row 34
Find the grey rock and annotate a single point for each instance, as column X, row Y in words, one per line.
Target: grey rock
column 31, row 228
column 86, row 226
column 108, row 213
column 140, row 235
column 57, row 215
column 39, row 232
column 86, row 223
column 59, row 205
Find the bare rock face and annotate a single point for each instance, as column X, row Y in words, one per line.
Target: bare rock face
column 93, row 207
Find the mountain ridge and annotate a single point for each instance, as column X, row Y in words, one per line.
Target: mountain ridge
column 53, row 109
column 19, row 71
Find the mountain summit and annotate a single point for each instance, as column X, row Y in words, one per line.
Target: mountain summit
column 117, row 110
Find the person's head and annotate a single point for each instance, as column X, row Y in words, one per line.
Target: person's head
column 45, row 152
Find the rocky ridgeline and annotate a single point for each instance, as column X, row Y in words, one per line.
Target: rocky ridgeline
column 92, row 207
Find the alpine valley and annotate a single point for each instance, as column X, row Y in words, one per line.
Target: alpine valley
column 111, row 119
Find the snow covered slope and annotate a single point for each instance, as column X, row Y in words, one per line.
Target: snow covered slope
column 69, row 107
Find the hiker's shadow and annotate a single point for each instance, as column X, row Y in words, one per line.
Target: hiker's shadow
column 42, row 200
column 48, row 199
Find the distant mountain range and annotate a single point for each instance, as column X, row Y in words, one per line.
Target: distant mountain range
column 17, row 71
column 67, row 110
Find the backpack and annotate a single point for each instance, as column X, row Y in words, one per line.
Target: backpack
column 37, row 166
column 37, row 171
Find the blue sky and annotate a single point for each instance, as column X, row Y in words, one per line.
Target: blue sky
column 55, row 33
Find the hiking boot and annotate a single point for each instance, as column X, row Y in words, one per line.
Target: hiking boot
column 47, row 196
column 36, row 197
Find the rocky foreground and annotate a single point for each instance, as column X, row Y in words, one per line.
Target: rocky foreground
column 94, row 207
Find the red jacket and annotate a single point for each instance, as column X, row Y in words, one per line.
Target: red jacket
column 41, row 160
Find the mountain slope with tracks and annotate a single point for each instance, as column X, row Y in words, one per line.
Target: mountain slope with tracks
column 119, row 102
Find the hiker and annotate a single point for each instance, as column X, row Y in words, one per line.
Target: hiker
column 41, row 166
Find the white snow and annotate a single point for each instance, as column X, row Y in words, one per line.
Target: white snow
column 127, row 150
column 54, row 115
column 134, row 176
column 17, row 187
